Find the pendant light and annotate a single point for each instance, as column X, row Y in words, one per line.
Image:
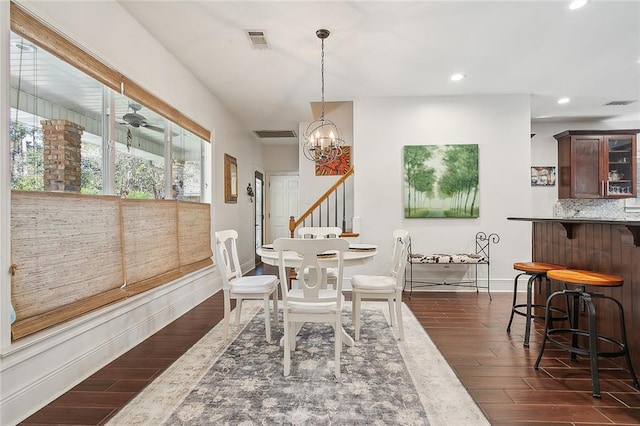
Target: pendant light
column 322, row 140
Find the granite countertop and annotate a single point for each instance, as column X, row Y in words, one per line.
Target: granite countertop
column 610, row 221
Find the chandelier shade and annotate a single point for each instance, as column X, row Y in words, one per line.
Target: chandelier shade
column 322, row 140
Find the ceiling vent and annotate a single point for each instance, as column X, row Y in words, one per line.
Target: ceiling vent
column 258, row 39
column 618, row 103
column 265, row 134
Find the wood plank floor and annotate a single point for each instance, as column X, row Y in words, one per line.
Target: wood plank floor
column 467, row 328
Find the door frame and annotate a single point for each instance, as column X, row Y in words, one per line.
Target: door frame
column 258, row 175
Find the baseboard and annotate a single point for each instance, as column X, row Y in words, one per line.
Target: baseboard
column 497, row 286
column 38, row 369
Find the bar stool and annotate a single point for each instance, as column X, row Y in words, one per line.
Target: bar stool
column 586, row 280
column 536, row 271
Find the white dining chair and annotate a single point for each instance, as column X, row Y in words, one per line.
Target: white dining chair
column 312, row 301
column 388, row 286
column 238, row 287
column 321, row 232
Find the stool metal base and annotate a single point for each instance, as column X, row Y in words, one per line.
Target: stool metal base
column 529, row 306
column 591, row 351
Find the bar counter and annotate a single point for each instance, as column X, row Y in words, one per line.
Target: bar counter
column 603, row 245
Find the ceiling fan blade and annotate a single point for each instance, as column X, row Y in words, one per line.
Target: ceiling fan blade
column 156, row 128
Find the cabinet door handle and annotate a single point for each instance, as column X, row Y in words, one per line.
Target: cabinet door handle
column 602, row 191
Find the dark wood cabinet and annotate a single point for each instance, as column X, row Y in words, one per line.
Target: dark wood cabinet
column 597, row 164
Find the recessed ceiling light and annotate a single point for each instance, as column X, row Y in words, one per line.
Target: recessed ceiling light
column 577, row 4
column 564, row 100
column 457, row 77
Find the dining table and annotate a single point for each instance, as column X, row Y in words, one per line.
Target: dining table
column 358, row 254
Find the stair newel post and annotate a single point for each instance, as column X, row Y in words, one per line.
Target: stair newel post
column 292, row 226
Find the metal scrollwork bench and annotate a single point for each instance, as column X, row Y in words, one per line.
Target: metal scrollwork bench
column 481, row 256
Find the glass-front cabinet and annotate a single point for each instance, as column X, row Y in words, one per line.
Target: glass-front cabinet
column 597, row 164
column 620, row 166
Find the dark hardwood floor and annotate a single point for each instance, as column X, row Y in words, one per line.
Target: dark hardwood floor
column 467, row 328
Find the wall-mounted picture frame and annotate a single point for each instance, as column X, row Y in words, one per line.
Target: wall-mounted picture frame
column 230, row 179
column 543, row 176
column 441, row 181
column 339, row 166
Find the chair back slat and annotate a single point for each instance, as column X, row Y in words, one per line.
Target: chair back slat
column 399, row 255
column 309, row 249
column 227, row 256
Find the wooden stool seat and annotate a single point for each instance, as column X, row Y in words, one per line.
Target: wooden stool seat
column 536, row 267
column 581, row 277
column 584, row 340
column 537, row 271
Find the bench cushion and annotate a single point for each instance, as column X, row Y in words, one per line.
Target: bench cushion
column 448, row 258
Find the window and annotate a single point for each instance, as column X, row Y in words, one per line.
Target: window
column 113, row 143
column 46, row 88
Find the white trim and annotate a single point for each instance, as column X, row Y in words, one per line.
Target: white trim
column 5, row 178
column 44, row 366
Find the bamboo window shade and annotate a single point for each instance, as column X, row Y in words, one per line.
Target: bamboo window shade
column 151, row 241
column 73, row 253
column 194, row 236
column 41, row 34
column 67, row 249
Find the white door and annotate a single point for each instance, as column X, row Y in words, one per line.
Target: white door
column 283, row 203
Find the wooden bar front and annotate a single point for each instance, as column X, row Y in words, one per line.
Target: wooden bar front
column 598, row 245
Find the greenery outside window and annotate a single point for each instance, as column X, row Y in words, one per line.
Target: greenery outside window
column 43, row 87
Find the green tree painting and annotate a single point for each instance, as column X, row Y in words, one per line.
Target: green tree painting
column 441, row 181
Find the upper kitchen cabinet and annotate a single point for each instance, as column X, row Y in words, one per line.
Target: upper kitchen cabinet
column 597, row 164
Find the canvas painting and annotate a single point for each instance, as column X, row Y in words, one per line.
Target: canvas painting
column 338, row 166
column 441, row 181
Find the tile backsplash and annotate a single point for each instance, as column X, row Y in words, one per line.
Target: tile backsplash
column 597, row 208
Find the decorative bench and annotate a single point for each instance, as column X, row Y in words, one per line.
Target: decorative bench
column 480, row 257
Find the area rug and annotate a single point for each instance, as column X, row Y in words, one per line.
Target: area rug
column 383, row 381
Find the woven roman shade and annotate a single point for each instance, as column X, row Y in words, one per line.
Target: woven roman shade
column 67, row 253
column 151, row 242
column 72, row 253
column 194, row 236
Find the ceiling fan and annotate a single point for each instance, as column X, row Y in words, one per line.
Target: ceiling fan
column 138, row 120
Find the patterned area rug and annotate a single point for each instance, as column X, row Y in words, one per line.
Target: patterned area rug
column 383, row 381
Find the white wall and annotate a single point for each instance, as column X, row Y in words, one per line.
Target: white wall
column 281, row 158
column 37, row 369
column 544, row 152
column 500, row 125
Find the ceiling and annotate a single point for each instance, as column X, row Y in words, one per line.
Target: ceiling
column 388, row 49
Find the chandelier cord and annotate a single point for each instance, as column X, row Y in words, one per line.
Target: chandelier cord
column 322, row 140
column 322, row 78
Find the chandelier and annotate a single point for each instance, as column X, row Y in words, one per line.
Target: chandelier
column 322, row 139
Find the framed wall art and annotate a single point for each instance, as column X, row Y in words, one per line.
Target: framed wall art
column 339, row 166
column 230, row 179
column 543, row 176
column 441, row 181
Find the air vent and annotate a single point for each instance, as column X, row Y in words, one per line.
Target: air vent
column 265, row 134
column 258, row 39
column 617, row 103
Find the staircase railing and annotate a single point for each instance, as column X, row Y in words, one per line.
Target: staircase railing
column 323, row 203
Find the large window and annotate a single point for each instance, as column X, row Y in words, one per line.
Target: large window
column 44, row 87
column 80, row 128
